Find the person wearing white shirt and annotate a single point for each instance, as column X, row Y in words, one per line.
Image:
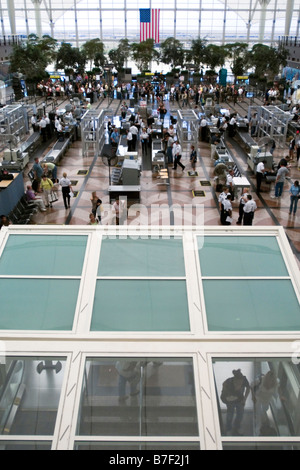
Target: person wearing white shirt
column 231, row 126
column 249, row 209
column 129, row 140
column 203, row 128
column 144, row 140
column 66, row 188
column 226, row 212
column 229, row 182
column 42, row 125
column 34, row 122
column 243, row 200
column 260, row 171
column 177, row 156
column 134, row 131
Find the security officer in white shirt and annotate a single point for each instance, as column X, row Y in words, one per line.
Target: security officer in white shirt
column 134, row 131
column 34, row 122
column 227, row 211
column 42, row 125
column 249, row 209
column 260, row 171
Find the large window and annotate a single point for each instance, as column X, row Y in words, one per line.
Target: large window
column 215, row 20
column 152, row 338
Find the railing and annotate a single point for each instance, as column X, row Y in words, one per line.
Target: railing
column 291, row 41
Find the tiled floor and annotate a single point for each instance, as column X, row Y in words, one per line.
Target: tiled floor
column 156, row 200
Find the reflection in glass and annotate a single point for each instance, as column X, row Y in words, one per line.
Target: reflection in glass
column 138, row 397
column 258, row 397
column 261, row 446
column 114, row 446
column 25, row 445
column 29, row 395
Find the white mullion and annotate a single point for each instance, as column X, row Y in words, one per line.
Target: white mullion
column 34, row 276
column 192, row 284
column 201, row 289
column 135, row 439
column 245, row 278
column 84, row 312
column 140, row 278
column 71, row 401
column 4, row 234
column 204, row 402
column 289, row 260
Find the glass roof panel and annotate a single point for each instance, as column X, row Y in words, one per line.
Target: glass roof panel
column 142, row 257
column 140, row 305
column 251, row 305
column 43, row 255
column 241, row 256
column 46, row 304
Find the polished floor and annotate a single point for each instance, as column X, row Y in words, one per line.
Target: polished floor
column 174, row 203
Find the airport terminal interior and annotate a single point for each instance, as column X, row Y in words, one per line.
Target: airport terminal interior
column 136, row 312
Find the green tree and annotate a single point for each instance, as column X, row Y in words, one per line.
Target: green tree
column 266, row 61
column 70, row 59
column 196, row 53
column 94, row 52
column 172, row 52
column 238, row 53
column 121, row 54
column 31, row 58
column 214, row 56
column 143, row 53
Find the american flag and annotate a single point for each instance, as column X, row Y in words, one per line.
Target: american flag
column 149, row 24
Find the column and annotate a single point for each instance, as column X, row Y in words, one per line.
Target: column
column 264, row 4
column 38, row 21
column 12, row 17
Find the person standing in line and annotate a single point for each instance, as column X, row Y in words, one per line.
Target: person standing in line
column 177, row 156
column 66, row 188
column 294, row 196
column 249, row 209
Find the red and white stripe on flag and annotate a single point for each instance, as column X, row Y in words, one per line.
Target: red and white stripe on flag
column 149, row 24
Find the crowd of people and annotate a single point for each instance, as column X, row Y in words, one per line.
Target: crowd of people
column 45, row 185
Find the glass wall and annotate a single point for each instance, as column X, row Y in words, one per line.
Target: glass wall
column 107, row 344
column 258, row 397
column 29, row 398
column 216, row 20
